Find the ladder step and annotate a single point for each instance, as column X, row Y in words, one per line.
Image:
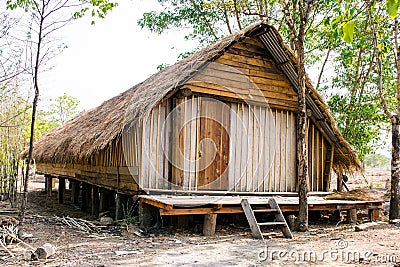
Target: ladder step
column 271, row 223
column 266, row 210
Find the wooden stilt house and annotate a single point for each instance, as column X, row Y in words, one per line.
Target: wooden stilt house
column 221, row 120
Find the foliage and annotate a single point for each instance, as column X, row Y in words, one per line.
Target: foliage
column 376, row 160
column 129, row 212
column 46, row 17
column 14, row 128
column 61, row 109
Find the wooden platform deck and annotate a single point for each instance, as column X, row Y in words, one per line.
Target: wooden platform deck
column 190, row 205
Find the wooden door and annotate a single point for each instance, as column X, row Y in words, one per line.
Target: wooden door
column 213, row 145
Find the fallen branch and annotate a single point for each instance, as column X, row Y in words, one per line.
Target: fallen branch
column 6, row 249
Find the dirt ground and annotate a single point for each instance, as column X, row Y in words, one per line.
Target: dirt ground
column 325, row 244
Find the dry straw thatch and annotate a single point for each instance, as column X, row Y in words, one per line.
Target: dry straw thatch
column 359, row 194
column 95, row 129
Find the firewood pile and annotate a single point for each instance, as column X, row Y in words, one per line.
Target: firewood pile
column 359, row 194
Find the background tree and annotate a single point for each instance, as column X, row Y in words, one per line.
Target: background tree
column 385, row 29
column 61, row 109
column 48, row 16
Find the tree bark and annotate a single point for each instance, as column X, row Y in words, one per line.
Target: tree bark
column 394, row 187
column 33, row 118
column 302, row 164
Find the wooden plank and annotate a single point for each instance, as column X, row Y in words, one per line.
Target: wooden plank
column 246, row 60
column 261, row 149
column 279, row 217
column 233, row 148
column 330, row 168
column 177, row 123
column 201, row 211
column 255, row 228
column 312, row 165
column 242, row 81
column 244, row 147
column 193, row 143
column 241, row 90
column 287, row 143
column 167, row 145
column 293, row 152
column 214, row 115
column 184, row 140
column 323, row 159
column 156, row 203
column 277, row 152
column 249, row 151
column 199, row 101
column 219, row 92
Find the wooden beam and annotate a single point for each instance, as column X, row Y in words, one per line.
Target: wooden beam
column 156, row 203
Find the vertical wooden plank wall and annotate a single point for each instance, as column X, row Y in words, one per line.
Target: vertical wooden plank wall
column 318, row 147
column 154, row 147
column 263, row 145
column 262, row 155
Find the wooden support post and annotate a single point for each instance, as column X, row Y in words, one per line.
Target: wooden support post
column 84, row 193
column 183, row 221
column 70, row 184
column 148, row 215
column 53, row 184
column 61, row 189
column 95, row 201
column 352, row 216
column 75, row 191
column 88, row 197
column 49, row 182
column 210, row 222
column 45, row 183
column 105, row 199
column 119, row 202
column 339, row 183
column 373, row 215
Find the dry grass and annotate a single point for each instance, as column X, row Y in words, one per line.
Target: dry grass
column 360, row 194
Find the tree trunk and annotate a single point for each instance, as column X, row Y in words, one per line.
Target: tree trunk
column 33, row 119
column 302, row 164
column 394, row 187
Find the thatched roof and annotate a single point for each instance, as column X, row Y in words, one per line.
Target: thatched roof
column 95, row 129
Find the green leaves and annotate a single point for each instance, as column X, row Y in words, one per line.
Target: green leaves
column 348, row 31
column 392, row 8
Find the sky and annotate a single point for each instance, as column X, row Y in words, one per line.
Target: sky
column 106, row 59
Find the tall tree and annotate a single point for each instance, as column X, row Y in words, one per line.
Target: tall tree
column 297, row 18
column 48, row 16
column 385, row 29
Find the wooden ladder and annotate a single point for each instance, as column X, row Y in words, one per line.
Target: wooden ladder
column 255, row 226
